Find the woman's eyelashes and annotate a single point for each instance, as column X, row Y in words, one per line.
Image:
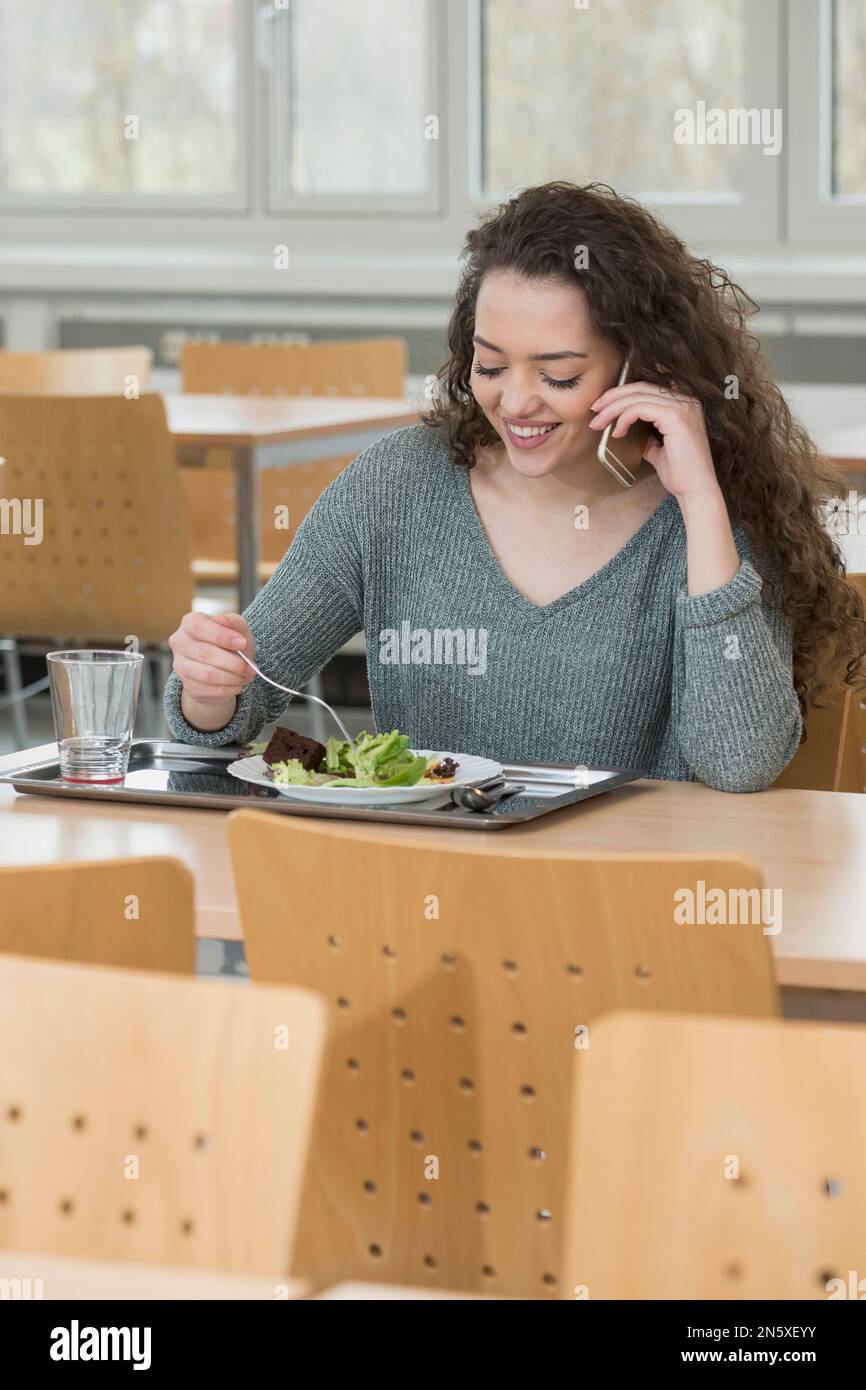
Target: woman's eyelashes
column 548, row 380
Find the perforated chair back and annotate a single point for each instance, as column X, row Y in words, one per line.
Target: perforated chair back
column 287, row 495
column 153, row 1119
column 352, row 367
column 833, row 758
column 459, row 981
column 717, row 1159
column 113, row 558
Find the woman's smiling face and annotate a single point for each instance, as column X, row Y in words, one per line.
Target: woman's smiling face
column 539, row 364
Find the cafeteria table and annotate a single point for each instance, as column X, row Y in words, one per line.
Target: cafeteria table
column 269, row 431
column 809, row 844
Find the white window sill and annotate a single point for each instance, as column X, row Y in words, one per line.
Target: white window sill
column 823, row 278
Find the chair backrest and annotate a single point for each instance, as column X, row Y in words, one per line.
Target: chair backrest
column 211, row 506
column 852, row 770
column 852, row 774
column 458, row 980
column 833, row 758
column 113, row 556
column 123, row 912
column 153, row 1119
column 715, row 1159
column 75, row 372
column 359, row 367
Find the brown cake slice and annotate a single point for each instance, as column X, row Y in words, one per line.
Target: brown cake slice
column 286, row 744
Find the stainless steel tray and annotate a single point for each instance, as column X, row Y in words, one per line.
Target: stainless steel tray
column 178, row 774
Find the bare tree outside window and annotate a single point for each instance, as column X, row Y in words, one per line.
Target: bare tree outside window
column 849, row 98
column 591, row 93
column 118, row 96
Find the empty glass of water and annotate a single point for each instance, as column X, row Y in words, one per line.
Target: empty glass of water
column 94, row 696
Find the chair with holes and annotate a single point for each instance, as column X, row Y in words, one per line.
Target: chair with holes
column 151, row 1119
column 346, row 367
column 76, row 372
column 460, row 980
column 833, row 758
column 124, row 912
column 102, row 553
column 210, row 504
column 716, row 1159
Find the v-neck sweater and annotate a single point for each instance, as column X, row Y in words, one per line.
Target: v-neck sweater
column 626, row 670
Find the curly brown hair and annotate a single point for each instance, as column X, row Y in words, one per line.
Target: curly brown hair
column 683, row 321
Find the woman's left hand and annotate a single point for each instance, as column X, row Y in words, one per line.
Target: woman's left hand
column 682, row 460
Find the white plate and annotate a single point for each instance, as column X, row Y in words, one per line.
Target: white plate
column 470, row 771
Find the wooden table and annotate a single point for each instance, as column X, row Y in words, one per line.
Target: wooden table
column 268, row 431
column 811, row 845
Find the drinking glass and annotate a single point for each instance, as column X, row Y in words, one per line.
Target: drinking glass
column 93, row 697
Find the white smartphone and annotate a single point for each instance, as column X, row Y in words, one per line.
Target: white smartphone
column 629, row 449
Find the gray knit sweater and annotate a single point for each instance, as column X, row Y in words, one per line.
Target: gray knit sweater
column 626, row 670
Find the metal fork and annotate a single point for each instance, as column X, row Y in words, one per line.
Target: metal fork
column 303, row 695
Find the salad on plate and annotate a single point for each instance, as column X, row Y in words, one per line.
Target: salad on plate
column 370, row 760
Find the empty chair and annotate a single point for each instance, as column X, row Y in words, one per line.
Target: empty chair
column 459, row 981
column 76, row 371
column 717, row 1158
column 102, row 551
column 113, row 558
column 124, row 912
column 210, row 503
column 151, row 1119
column 853, row 778
column 833, row 758
column 347, row 367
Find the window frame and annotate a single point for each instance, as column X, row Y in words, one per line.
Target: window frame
column 162, row 245
column 816, row 216
column 276, row 133
column 753, row 217
column 158, row 204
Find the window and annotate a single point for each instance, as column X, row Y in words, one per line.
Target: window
column 591, row 94
column 645, row 97
column 355, row 120
column 119, row 99
column 827, row 126
column 849, row 99
column 368, row 134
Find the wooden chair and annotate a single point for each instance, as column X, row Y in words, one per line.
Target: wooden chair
column 348, row 367
column 114, row 558
column 833, row 758
column 123, row 912
column 853, row 775
column 717, row 1159
column 210, row 502
column 75, row 372
column 151, row 1119
column 360, row 367
column 62, row 1277
column 456, row 978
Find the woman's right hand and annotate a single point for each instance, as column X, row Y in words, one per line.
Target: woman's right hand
column 213, row 675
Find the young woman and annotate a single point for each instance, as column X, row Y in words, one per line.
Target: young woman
column 517, row 601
